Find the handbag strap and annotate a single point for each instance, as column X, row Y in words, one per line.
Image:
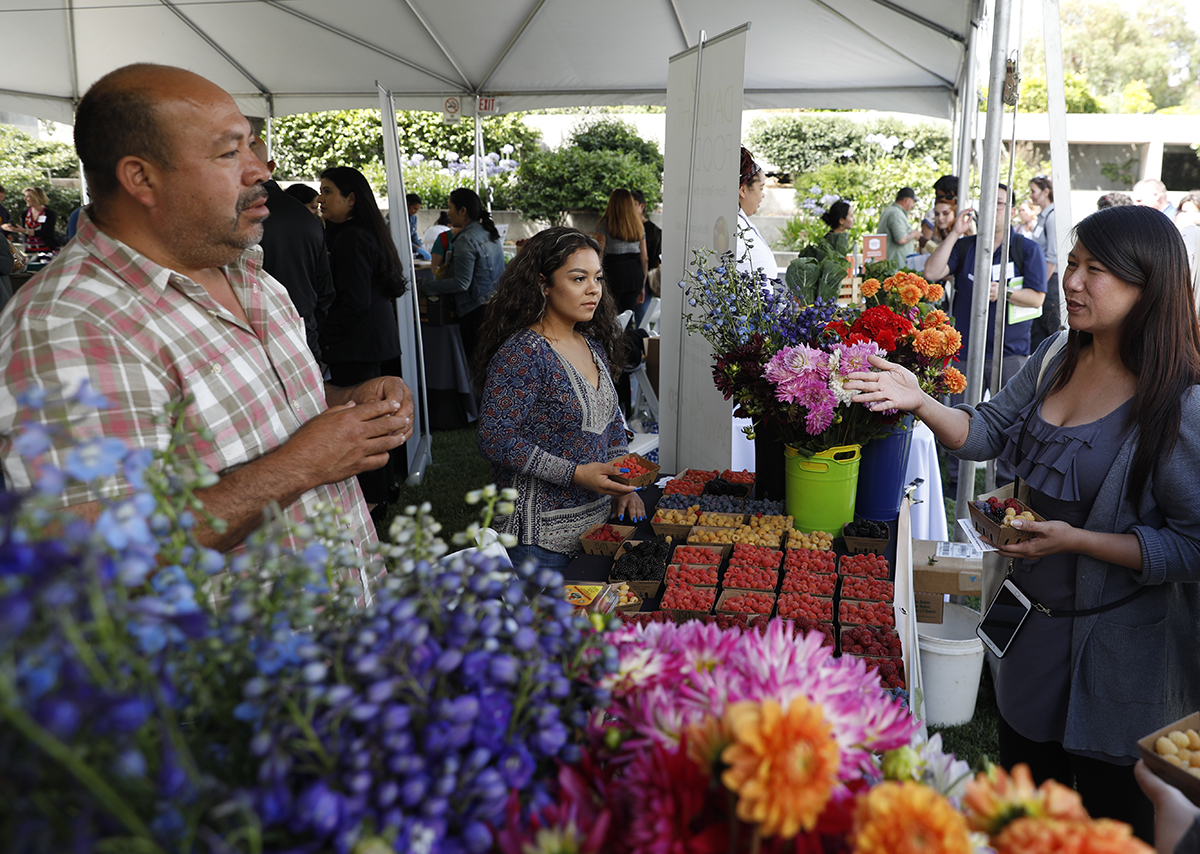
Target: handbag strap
column 1082, row 612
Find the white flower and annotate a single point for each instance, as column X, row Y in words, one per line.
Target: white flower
column 452, row 157
column 930, row 161
column 507, row 148
column 909, row 144
column 474, row 496
column 417, row 158
column 849, row 152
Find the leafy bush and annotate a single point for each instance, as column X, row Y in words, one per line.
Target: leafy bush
column 552, row 183
column 308, row 143
column 802, row 142
column 433, row 181
column 607, row 134
column 29, row 162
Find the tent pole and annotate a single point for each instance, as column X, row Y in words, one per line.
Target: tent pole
column 1060, row 158
column 478, row 155
column 989, row 180
column 687, row 218
column 968, row 101
column 412, row 346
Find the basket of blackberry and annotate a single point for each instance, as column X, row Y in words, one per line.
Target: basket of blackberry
column 864, row 536
column 643, row 564
column 721, row 486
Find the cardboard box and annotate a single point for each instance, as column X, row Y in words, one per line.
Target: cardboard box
column 645, row 589
column 653, row 351
column 1177, row 777
column 646, row 479
column 946, row 574
column 994, row 532
column 728, row 593
column 930, row 607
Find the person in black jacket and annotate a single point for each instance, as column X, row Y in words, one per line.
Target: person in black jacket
column 361, row 332
column 293, row 245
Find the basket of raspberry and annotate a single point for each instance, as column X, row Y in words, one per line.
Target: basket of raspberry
column 865, row 536
column 642, row 472
column 749, row 578
column 803, row 625
column 760, row 557
column 700, row 575
column 739, row 602
column 874, row 641
column 803, row 581
column 810, row 560
column 855, row 612
column 705, row 555
column 869, row 565
column 794, row 605
column 889, row 670
column 605, row 539
column 674, row 523
column 688, row 602
column 992, row 518
column 867, row 588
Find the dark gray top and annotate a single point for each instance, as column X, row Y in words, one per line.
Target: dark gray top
column 1064, row 467
column 1136, row 668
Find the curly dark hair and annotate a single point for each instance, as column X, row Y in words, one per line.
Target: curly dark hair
column 519, row 301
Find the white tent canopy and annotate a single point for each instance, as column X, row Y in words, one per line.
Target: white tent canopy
column 279, row 57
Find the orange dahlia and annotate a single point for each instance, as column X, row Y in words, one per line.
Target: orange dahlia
column 908, row 818
column 954, row 380
column 782, row 764
column 910, row 292
column 934, row 319
column 930, row 342
column 953, row 340
column 1050, row 836
column 995, row 798
column 933, row 291
column 706, row 740
column 870, row 287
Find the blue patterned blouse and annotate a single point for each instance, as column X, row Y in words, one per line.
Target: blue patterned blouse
column 539, row 419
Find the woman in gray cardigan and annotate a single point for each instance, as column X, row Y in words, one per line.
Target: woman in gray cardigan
column 1108, row 422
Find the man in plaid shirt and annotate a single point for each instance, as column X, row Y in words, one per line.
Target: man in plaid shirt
column 160, row 298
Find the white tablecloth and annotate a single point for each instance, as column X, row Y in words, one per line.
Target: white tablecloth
column 928, row 516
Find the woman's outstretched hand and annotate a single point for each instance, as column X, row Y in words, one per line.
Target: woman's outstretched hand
column 891, row 387
column 598, row 477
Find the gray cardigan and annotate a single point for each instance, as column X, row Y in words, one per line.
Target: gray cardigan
column 1135, row 668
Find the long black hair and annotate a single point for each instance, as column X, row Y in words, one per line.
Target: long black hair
column 366, row 211
column 1160, row 338
column 469, row 201
column 836, row 213
column 519, row 300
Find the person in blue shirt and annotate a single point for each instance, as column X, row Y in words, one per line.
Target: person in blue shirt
column 414, row 205
column 956, row 256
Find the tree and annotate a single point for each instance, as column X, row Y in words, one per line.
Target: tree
column 608, row 134
column 550, row 184
column 1079, row 100
column 29, row 162
column 1135, row 98
column 1111, row 48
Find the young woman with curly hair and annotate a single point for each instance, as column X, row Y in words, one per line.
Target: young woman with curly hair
column 549, row 421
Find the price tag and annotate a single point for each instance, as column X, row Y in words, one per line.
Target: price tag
column 973, row 537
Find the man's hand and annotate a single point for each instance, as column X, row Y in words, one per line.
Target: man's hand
column 993, row 291
column 391, row 389
column 346, row 440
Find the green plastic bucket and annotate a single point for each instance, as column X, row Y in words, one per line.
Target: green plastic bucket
column 820, row 489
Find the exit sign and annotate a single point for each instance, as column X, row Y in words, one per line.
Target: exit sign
column 487, row 104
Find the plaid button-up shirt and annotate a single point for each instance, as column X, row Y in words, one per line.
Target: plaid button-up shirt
column 145, row 336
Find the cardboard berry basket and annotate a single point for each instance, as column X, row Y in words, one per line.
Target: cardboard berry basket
column 604, row 547
column 632, row 607
column 670, row 529
column 1183, row 779
column 645, row 589
column 646, row 479
column 847, row 628
column 716, row 573
column 866, row 545
column 994, row 532
column 792, row 541
column 722, row 549
column 733, row 520
column 725, row 533
column 729, row 593
column 681, row 616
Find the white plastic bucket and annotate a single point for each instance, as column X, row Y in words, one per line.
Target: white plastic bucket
column 951, row 664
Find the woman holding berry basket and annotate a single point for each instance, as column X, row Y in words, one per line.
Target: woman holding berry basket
column 550, row 422
column 1103, row 425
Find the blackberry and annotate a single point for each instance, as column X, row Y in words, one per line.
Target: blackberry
column 646, row 561
column 720, row 486
column 867, row 529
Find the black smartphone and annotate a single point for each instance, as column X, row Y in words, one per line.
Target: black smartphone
column 1004, row 618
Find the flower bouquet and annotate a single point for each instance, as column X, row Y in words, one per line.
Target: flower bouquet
column 729, row 740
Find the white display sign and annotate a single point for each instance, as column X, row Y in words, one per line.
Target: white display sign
column 703, row 150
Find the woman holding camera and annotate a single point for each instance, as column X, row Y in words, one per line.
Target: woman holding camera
column 549, row 421
column 1103, row 424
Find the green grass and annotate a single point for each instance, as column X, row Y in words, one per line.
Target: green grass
column 457, row 468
